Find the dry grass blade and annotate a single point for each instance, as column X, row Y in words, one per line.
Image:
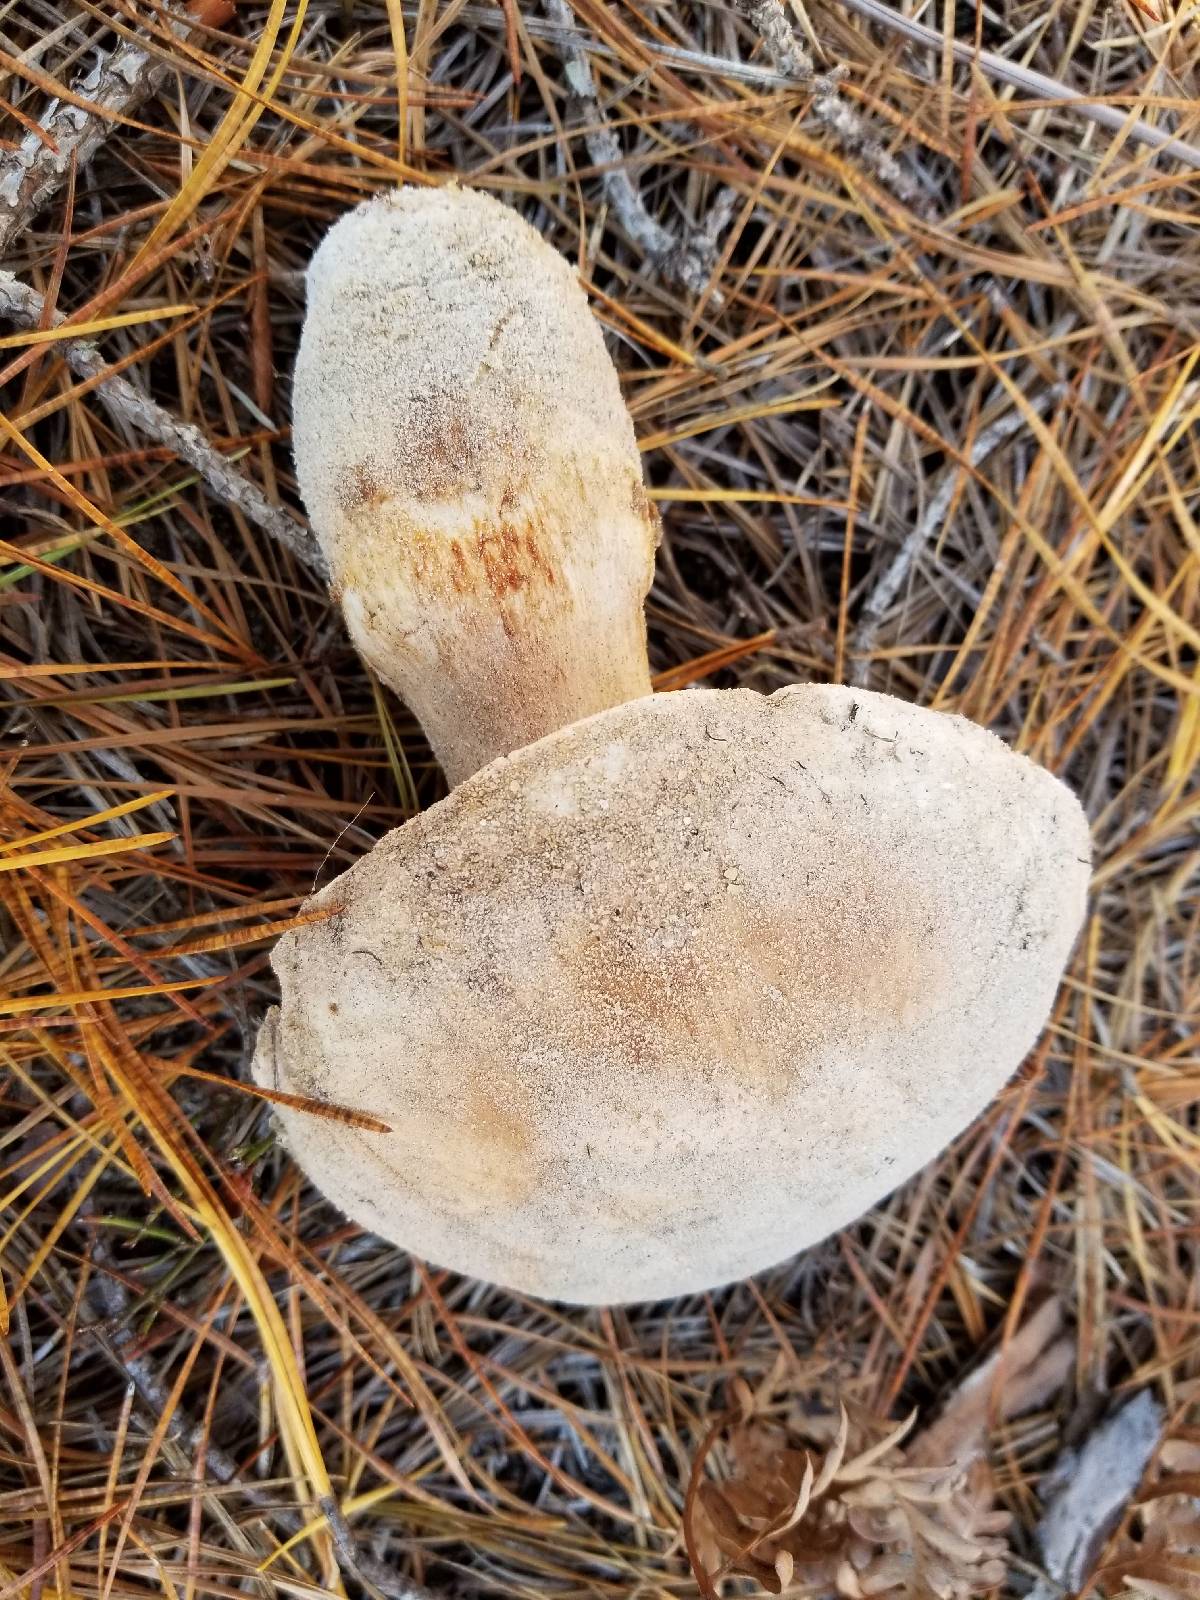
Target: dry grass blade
column 907, row 310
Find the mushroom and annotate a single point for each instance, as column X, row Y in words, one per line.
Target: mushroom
column 675, row 991
column 471, row 472
column 682, row 984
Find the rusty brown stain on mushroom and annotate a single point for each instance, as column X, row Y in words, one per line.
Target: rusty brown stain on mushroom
column 498, row 559
column 667, row 990
column 361, row 487
column 458, row 566
column 850, row 936
column 505, row 1167
column 643, row 507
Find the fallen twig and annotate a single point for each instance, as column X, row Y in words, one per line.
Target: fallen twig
column 22, row 304
column 67, row 133
column 30, row 176
column 987, row 62
column 791, row 60
column 888, row 586
column 1090, row 1489
column 689, row 262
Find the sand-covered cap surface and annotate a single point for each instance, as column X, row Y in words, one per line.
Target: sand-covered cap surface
column 669, row 995
column 471, row 471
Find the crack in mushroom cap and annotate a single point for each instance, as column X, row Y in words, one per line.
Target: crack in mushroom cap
column 471, row 470
column 676, row 991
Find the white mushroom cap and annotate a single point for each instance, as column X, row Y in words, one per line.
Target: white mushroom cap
column 471, row 471
column 678, row 990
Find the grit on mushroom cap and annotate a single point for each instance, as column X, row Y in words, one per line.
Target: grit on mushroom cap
column 471, row 471
column 678, row 990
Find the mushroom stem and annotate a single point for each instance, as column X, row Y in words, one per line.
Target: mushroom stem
column 471, row 472
column 500, row 694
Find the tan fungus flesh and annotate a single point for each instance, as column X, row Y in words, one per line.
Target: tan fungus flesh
column 471, row 471
column 676, row 991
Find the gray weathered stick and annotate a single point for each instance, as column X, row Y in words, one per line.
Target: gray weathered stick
column 888, row 586
column 29, row 176
column 791, row 60
column 116, row 86
column 688, row 263
column 109, row 1298
column 1095, row 1484
column 987, row 62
